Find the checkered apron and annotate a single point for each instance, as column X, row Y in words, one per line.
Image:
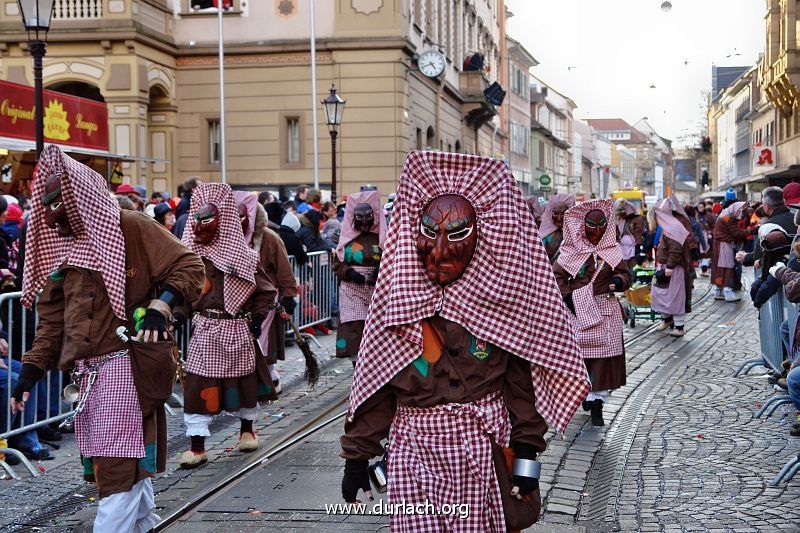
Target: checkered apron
column 220, row 348
column 598, row 322
column 110, row 424
column 97, row 244
column 507, row 295
column 443, row 454
column 354, row 299
column 229, row 252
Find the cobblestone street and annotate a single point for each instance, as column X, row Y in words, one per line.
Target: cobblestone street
column 680, row 452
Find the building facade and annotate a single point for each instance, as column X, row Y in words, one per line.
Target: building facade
column 552, row 137
column 518, row 113
column 155, row 64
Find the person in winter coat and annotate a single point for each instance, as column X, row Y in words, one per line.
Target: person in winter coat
column 775, row 244
column 287, row 231
column 309, row 232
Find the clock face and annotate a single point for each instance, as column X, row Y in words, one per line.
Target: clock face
column 431, row 63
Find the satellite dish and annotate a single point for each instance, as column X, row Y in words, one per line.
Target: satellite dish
column 666, row 7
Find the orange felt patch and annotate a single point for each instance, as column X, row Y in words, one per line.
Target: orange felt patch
column 431, row 346
column 211, row 397
column 206, row 287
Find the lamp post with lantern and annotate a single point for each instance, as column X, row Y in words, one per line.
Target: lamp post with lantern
column 334, row 108
column 36, row 18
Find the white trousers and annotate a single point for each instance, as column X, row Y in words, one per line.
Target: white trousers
column 678, row 320
column 601, row 395
column 273, row 373
column 705, row 262
column 128, row 512
column 197, row 425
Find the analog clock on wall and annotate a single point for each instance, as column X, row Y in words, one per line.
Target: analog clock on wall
column 431, row 63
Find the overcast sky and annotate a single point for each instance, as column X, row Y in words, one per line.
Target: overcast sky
column 619, row 48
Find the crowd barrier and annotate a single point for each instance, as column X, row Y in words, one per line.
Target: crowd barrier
column 773, row 352
column 317, row 286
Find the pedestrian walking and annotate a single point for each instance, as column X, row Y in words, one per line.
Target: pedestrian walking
column 671, row 292
column 551, row 229
column 589, row 270
column 275, row 262
column 631, row 227
column 466, row 349
column 356, row 263
column 221, row 373
column 97, row 266
column 706, row 218
column 728, row 233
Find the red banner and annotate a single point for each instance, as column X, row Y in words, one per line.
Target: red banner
column 68, row 119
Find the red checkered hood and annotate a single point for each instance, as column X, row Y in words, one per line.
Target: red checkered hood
column 576, row 250
column 97, row 243
column 228, row 252
column 507, row 296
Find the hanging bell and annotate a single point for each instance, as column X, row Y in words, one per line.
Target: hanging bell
column 71, row 393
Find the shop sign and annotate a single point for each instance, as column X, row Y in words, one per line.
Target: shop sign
column 68, row 120
column 763, row 157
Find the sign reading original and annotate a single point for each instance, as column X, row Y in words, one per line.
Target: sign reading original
column 67, row 119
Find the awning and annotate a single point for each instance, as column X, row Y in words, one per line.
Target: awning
column 790, row 173
column 22, row 145
column 746, row 179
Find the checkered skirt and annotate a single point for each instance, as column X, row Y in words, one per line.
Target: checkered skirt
column 598, row 324
column 507, row 296
column 443, row 455
column 220, row 348
column 354, row 299
column 110, row 424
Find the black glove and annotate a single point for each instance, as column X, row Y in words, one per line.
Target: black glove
column 154, row 321
column 27, row 379
column 526, row 484
column 288, row 304
column 356, row 476
column 695, row 254
column 255, row 325
column 661, row 277
column 351, row 275
column 178, row 320
column 372, row 278
column 616, row 281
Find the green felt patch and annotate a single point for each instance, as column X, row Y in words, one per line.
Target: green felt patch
column 422, row 366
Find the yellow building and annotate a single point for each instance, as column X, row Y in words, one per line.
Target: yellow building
column 154, row 63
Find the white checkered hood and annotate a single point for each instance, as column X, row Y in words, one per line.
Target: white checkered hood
column 507, row 296
column 97, row 244
column 229, row 252
column 576, row 249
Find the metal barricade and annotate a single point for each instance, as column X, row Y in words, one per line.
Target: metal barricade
column 769, row 328
column 44, row 405
column 316, row 284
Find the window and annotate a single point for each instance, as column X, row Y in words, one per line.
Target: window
column 293, row 140
column 519, row 82
column 419, row 138
column 519, row 138
column 214, row 142
column 542, row 155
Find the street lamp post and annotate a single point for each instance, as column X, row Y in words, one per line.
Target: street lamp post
column 36, row 18
column 334, row 108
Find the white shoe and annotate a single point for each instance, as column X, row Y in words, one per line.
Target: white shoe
column 718, row 295
column 732, row 296
column 248, row 442
column 190, row 459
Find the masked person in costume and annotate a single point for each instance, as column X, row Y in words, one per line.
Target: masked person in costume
column 537, row 209
column 275, row 262
column 356, row 264
column 97, row 266
column 221, row 369
column 728, row 234
column 630, row 230
column 552, row 226
column 589, row 270
column 671, row 292
column 465, row 330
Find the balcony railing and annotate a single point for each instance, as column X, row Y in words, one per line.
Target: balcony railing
column 77, row 9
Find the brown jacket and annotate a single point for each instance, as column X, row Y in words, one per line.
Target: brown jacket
column 75, row 316
column 500, row 371
column 790, row 279
column 568, row 284
column 213, row 296
column 673, row 254
column 275, row 261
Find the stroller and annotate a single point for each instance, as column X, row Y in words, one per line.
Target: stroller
column 638, row 296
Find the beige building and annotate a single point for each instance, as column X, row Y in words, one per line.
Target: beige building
column 154, row 62
column 517, row 114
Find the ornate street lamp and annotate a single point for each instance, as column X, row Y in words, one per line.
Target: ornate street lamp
column 36, row 18
column 334, row 108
